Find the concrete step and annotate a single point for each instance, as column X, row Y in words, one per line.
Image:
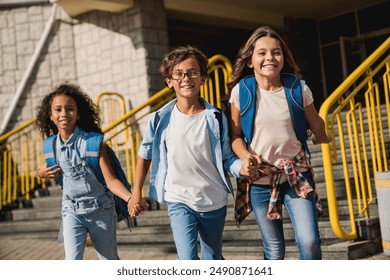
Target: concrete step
column 51, row 235
column 32, row 226
column 49, row 207
column 252, row 249
column 250, row 231
column 160, row 231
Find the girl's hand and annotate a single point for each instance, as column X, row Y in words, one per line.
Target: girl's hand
column 250, row 165
column 49, row 172
column 136, row 206
column 321, row 141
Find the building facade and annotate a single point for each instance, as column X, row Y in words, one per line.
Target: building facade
column 117, row 46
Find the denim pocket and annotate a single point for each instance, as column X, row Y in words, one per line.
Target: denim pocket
column 106, row 202
column 75, row 172
column 78, row 171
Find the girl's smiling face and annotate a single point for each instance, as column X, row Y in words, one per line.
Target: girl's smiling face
column 267, row 58
column 64, row 113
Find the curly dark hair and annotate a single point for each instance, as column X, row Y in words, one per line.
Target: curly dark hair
column 180, row 54
column 246, row 52
column 89, row 113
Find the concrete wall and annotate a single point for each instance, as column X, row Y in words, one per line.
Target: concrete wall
column 122, row 52
column 100, row 51
column 21, row 29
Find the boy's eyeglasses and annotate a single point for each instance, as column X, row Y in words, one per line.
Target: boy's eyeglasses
column 179, row 76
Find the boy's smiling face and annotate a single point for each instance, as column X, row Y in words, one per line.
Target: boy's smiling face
column 188, row 85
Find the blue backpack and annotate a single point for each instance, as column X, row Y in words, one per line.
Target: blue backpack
column 293, row 90
column 92, row 144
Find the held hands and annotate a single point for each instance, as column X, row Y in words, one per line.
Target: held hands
column 250, row 165
column 49, row 172
column 136, row 205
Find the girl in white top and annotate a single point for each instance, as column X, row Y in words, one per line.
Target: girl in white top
column 276, row 146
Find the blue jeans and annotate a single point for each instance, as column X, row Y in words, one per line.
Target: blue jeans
column 187, row 224
column 303, row 215
column 95, row 216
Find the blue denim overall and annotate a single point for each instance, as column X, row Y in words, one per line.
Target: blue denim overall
column 87, row 205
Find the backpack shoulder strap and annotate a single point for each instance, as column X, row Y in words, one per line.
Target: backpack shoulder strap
column 48, row 147
column 92, row 144
column 121, row 205
column 93, row 141
column 117, row 167
column 49, row 152
column 293, row 90
column 247, row 97
column 218, row 116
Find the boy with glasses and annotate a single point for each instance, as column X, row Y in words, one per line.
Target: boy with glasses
column 190, row 159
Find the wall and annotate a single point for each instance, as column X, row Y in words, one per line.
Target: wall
column 101, row 51
column 122, row 52
column 21, row 29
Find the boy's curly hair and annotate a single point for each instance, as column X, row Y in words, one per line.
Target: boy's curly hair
column 180, row 54
column 89, row 113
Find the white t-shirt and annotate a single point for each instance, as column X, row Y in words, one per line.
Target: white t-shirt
column 274, row 137
column 192, row 177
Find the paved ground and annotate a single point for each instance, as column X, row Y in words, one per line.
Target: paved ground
column 32, row 249
column 29, row 249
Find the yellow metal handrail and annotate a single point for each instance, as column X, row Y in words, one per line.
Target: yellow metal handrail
column 20, row 148
column 20, row 158
column 357, row 102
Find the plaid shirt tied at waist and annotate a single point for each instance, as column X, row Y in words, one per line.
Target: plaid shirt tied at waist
column 294, row 178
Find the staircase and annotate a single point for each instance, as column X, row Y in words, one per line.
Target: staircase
column 153, row 232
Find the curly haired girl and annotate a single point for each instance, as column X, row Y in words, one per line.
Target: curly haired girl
column 87, row 205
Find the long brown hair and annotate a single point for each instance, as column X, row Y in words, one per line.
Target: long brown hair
column 246, row 52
